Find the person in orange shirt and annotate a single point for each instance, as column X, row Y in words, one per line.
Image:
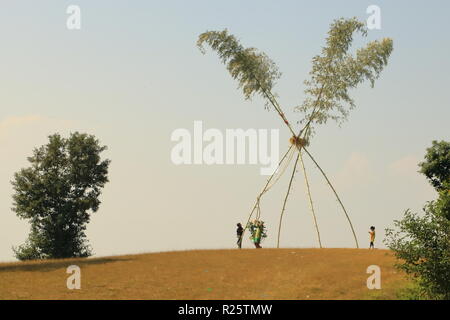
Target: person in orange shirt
column 372, row 237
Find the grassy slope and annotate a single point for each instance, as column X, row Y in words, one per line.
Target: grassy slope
column 209, row 274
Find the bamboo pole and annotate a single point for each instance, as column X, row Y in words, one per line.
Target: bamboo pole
column 313, row 113
column 310, row 199
column 269, row 95
column 264, row 190
column 285, row 199
column 337, row 196
column 281, row 171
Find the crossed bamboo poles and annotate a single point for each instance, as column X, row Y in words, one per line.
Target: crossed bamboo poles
column 299, row 147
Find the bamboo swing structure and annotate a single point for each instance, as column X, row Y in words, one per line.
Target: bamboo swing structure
column 299, row 148
column 334, row 72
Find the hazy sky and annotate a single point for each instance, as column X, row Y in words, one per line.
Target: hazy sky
column 133, row 74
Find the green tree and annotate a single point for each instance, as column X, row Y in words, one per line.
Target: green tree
column 423, row 243
column 436, row 166
column 57, row 194
column 443, row 202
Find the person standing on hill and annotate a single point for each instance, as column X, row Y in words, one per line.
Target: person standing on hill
column 239, row 233
column 372, row 237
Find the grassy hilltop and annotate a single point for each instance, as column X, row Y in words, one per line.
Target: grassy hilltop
column 209, row 274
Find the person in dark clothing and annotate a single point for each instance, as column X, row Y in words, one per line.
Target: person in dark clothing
column 239, row 233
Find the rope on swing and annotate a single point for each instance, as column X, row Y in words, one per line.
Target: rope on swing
column 258, row 210
column 280, row 172
column 265, row 189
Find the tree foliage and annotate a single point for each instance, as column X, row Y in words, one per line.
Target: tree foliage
column 423, row 243
column 436, row 166
column 443, row 201
column 57, row 193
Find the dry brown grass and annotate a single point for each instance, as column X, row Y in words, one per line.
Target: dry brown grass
column 209, row 274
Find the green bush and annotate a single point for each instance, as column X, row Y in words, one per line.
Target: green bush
column 422, row 244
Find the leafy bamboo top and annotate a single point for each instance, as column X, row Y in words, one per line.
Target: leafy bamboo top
column 333, row 73
column 254, row 70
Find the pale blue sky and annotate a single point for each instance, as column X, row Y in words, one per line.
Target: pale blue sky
column 133, row 74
